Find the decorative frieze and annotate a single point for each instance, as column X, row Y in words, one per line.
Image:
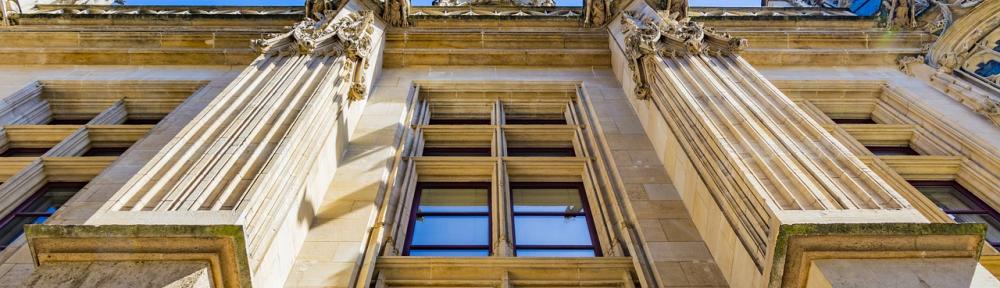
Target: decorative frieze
column 496, row 11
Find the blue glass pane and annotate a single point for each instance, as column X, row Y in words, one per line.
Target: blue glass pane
column 551, row 230
column 451, row 230
column 555, row 253
column 454, row 200
column 989, row 68
column 547, row 200
column 992, row 225
column 449, row 253
column 997, row 48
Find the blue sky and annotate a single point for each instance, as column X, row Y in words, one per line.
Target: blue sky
column 725, row 3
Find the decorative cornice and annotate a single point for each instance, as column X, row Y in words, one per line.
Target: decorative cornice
column 667, row 37
column 497, row 11
column 167, row 10
column 327, row 36
column 699, row 12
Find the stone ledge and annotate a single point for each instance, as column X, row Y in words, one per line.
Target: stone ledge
column 222, row 246
column 491, row 271
column 797, row 245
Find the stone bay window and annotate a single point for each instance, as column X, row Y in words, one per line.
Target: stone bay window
column 501, row 174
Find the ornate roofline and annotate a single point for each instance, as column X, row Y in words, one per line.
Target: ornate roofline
column 496, row 11
column 166, row 10
column 722, row 12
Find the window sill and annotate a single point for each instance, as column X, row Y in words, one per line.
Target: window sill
column 490, row 271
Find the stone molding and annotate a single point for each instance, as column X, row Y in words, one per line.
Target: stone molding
column 669, row 37
column 167, row 10
column 700, row 12
column 799, row 244
column 496, row 11
column 221, row 246
column 504, row 271
column 944, row 79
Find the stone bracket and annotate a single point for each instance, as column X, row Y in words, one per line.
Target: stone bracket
column 222, row 246
column 798, row 245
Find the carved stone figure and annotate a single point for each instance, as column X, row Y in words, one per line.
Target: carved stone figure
column 597, row 13
column 315, row 9
column 678, row 6
column 395, row 12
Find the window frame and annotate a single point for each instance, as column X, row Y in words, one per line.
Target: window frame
column 587, row 213
column 20, row 210
column 984, row 208
column 414, row 213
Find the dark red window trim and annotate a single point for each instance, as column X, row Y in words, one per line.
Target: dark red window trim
column 983, row 207
column 586, row 212
column 414, row 213
column 38, row 194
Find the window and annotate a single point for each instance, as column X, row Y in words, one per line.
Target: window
column 105, row 151
column 24, row 152
column 962, row 206
column 519, row 189
column 141, row 121
column 466, row 141
column 534, row 114
column 551, row 220
column 64, row 121
column 450, row 219
column 853, row 121
column 541, row 151
column 460, row 113
column 892, row 150
column 36, row 209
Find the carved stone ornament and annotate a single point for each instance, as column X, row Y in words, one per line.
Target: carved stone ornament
column 350, row 36
column 905, row 62
column 949, row 62
column 991, row 109
column 669, row 37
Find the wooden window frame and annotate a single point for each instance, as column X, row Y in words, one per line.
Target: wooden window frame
column 984, row 208
column 587, row 213
column 35, row 196
column 414, row 213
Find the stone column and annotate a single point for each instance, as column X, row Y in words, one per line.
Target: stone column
column 236, row 188
column 768, row 187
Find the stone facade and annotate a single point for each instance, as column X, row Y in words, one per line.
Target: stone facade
column 711, row 147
